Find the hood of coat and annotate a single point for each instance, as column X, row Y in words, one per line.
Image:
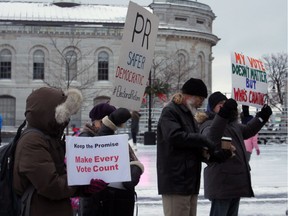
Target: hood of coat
column 49, row 109
column 201, row 117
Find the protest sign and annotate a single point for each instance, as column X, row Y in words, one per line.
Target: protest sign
column 103, row 157
column 249, row 80
column 135, row 59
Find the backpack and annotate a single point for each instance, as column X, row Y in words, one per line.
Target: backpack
column 10, row 202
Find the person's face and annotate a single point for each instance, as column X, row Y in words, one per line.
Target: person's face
column 218, row 106
column 194, row 101
column 97, row 124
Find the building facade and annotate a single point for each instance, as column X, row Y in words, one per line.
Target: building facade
column 77, row 45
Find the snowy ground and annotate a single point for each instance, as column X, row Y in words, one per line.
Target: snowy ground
column 269, row 180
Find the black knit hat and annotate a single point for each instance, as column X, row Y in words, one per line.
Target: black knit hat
column 215, row 98
column 195, row 87
column 100, row 111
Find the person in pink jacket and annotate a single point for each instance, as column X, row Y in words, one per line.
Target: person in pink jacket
column 252, row 142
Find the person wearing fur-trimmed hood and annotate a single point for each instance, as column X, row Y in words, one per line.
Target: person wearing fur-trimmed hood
column 227, row 178
column 118, row 198
column 39, row 157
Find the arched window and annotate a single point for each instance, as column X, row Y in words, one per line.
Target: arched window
column 38, row 64
column 103, row 65
column 71, row 65
column 7, row 109
column 5, row 64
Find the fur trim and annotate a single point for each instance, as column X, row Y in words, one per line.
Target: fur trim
column 201, row 117
column 108, row 123
column 178, row 98
column 139, row 164
column 70, row 107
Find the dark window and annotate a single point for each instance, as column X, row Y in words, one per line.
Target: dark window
column 71, row 65
column 200, row 21
column 103, row 65
column 7, row 109
column 5, row 64
column 180, row 19
column 38, row 64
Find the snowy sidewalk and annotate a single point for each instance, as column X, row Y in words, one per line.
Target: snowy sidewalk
column 269, row 180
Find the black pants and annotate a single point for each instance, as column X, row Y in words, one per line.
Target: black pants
column 134, row 137
column 109, row 202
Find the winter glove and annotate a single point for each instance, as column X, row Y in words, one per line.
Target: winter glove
column 220, row 156
column 265, row 113
column 245, row 110
column 228, row 108
column 120, row 116
column 135, row 178
column 96, row 185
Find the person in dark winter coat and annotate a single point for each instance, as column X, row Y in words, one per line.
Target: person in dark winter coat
column 179, row 150
column 135, row 117
column 117, row 198
column 39, row 157
column 226, row 178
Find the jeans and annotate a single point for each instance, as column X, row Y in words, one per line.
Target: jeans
column 224, row 207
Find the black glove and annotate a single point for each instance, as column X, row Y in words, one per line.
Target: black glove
column 229, row 107
column 135, row 178
column 265, row 113
column 120, row 116
column 245, row 110
column 220, row 156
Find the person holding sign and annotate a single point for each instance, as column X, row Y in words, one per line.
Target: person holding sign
column 39, row 157
column 179, row 150
column 96, row 115
column 118, row 198
column 228, row 179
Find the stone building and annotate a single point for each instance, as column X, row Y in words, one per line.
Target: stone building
column 69, row 44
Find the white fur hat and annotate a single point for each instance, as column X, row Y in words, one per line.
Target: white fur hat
column 70, row 107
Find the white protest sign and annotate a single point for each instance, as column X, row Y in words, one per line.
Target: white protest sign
column 103, row 157
column 135, row 59
column 249, row 80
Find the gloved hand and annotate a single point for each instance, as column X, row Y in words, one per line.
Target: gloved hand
column 220, row 155
column 120, row 116
column 96, row 185
column 228, row 108
column 245, row 110
column 265, row 112
column 135, row 178
column 258, row 151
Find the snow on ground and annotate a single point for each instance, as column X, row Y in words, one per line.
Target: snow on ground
column 269, row 181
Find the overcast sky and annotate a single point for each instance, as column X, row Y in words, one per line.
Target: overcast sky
column 252, row 27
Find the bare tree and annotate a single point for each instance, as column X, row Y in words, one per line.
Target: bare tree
column 276, row 66
column 172, row 69
column 71, row 67
column 168, row 73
